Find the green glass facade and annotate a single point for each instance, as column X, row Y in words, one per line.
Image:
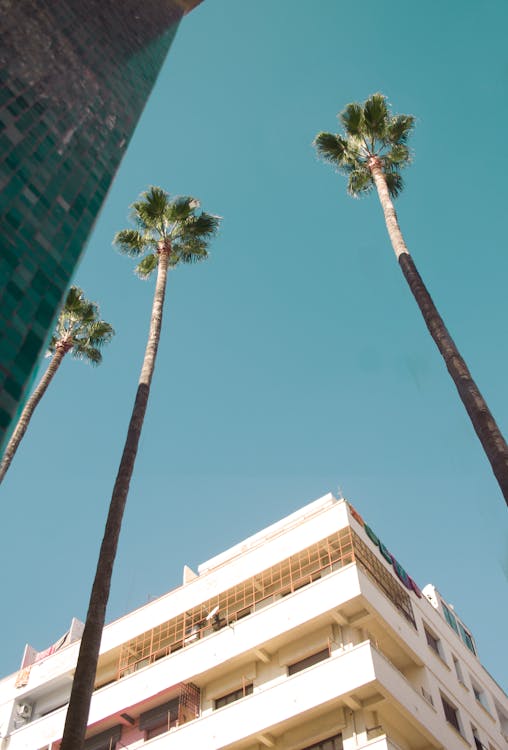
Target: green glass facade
column 74, row 77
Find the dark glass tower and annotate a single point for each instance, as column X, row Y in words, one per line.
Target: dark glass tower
column 74, row 77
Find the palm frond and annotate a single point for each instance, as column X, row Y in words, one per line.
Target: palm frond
column 357, row 150
column 76, row 309
column 149, row 212
column 147, row 266
column 99, row 333
column 352, row 119
column 180, row 208
column 131, row 242
column 93, row 355
column 191, row 250
column 331, row 147
column 399, row 156
column 375, row 114
column 74, row 299
column 87, row 313
column 205, row 226
column 86, row 352
column 395, row 183
column 360, row 181
column 399, row 128
column 188, row 257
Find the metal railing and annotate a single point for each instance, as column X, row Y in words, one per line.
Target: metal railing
column 301, row 569
column 286, row 577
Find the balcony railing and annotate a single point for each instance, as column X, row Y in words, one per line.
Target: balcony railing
column 333, row 553
column 410, row 685
column 286, row 577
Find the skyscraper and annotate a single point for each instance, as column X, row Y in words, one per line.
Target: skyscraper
column 74, row 77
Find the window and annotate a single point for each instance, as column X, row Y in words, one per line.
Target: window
column 478, row 745
column 467, row 638
column 503, row 720
column 450, row 618
column 458, row 627
column 159, row 720
column 458, row 670
column 434, row 642
column 308, row 661
column 234, row 696
column 451, row 714
column 105, row 740
column 331, row 743
column 480, row 695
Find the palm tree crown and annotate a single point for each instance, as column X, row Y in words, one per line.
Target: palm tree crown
column 79, row 328
column 168, row 226
column 373, row 137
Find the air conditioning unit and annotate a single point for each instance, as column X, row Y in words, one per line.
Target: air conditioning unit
column 24, row 710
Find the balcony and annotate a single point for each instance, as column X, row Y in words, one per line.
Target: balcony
column 339, row 590
column 284, row 578
column 333, row 553
column 355, row 678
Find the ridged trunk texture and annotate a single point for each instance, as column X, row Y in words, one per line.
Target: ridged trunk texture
column 27, row 413
column 84, row 677
column 483, row 422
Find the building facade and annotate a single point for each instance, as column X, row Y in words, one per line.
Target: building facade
column 307, row 636
column 74, row 77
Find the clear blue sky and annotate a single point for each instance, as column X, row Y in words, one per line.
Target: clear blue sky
column 294, row 361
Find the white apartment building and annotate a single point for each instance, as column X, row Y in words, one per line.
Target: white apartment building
column 306, row 636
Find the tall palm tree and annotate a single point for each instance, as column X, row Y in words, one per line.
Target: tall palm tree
column 80, row 331
column 168, row 232
column 371, row 153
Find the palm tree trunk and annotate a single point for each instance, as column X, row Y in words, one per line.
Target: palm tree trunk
column 84, row 676
column 27, row 413
column 484, row 423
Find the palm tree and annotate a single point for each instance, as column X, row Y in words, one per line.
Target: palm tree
column 168, row 232
column 371, row 153
column 80, row 331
